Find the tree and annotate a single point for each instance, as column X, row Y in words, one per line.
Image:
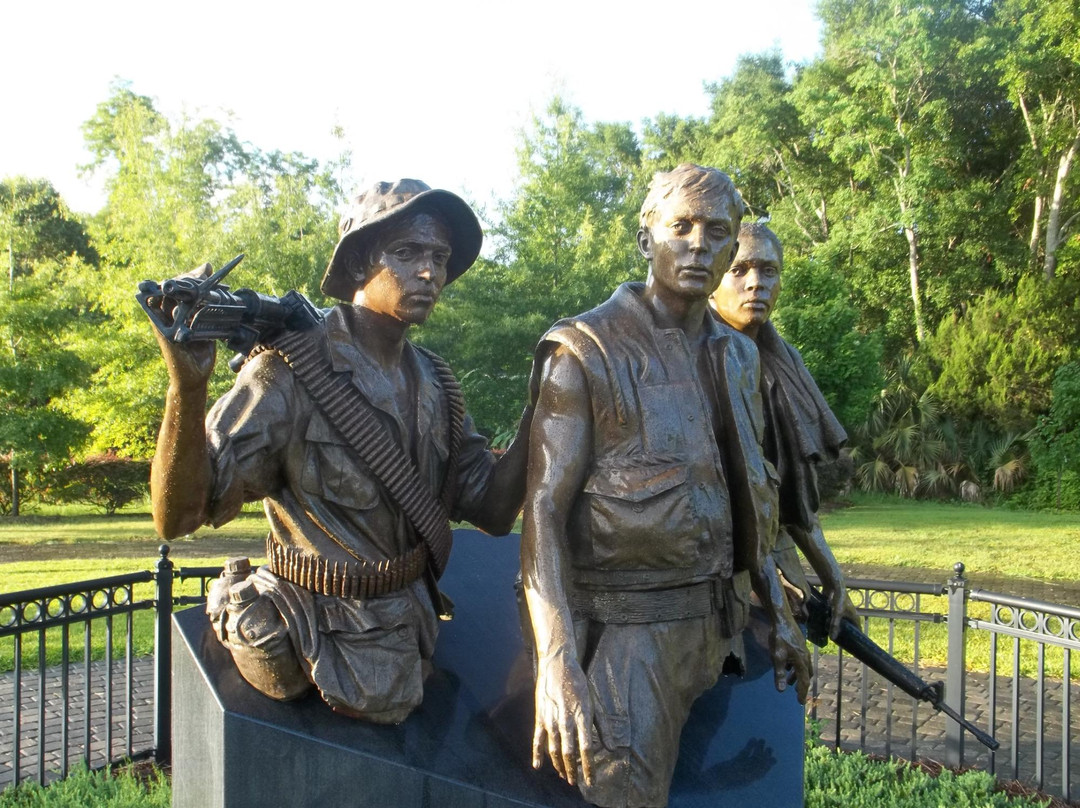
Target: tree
column 36, row 226
column 36, row 367
column 816, row 315
column 996, row 363
column 181, row 194
column 564, row 241
column 906, row 100
column 1041, row 71
column 1056, row 445
column 45, row 246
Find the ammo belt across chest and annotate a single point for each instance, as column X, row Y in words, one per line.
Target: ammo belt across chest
column 355, row 419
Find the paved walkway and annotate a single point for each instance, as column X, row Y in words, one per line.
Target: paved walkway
column 44, row 742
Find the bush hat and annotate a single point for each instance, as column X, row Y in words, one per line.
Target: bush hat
column 386, row 201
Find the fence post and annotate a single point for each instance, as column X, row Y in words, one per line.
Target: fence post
column 956, row 665
column 163, row 604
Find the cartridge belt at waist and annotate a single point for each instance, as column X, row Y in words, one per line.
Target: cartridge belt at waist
column 346, row 579
column 648, row 606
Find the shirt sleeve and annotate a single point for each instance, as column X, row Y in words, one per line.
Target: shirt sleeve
column 476, row 465
column 247, row 432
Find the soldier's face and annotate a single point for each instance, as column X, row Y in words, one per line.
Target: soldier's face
column 749, row 290
column 689, row 243
column 408, row 269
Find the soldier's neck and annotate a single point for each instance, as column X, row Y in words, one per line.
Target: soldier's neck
column 672, row 311
column 382, row 336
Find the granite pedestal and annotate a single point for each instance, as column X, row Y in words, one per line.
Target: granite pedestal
column 468, row 745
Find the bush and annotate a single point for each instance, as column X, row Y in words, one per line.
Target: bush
column 1055, row 447
column 122, row 788
column 106, row 481
column 853, row 780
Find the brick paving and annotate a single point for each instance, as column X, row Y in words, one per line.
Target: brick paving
column 47, row 739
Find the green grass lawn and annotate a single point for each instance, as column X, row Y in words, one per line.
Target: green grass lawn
column 71, row 545
column 891, row 532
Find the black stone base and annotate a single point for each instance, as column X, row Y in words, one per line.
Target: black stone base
column 468, row 745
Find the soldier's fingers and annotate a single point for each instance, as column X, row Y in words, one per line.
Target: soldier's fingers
column 584, row 742
column 570, row 755
column 539, row 741
column 554, row 744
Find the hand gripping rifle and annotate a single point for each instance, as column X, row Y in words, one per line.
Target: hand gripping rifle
column 867, row 651
column 187, row 309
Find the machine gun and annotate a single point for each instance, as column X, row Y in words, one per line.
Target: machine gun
column 867, row 651
column 186, row 309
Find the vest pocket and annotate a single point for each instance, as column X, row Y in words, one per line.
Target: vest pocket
column 640, row 517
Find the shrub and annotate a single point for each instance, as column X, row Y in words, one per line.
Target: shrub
column 853, row 780
column 122, row 788
column 106, row 481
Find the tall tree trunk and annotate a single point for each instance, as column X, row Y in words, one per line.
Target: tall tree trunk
column 14, row 491
column 1053, row 223
column 1036, row 232
column 913, row 272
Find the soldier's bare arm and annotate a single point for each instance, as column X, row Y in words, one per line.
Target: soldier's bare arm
column 561, row 440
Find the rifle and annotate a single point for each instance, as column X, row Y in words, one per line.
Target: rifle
column 856, row 643
column 206, row 310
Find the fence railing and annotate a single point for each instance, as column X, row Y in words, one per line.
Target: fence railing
column 1024, row 696
column 58, row 704
column 80, row 667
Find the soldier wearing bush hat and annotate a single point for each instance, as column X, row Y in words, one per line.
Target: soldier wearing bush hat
column 348, row 602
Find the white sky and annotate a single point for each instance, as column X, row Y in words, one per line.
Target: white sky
column 433, row 90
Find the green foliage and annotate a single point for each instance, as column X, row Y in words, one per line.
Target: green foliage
column 181, row 194
column 121, row 788
column 106, row 481
column 1055, row 446
column 38, row 366
column 564, row 242
column 816, row 315
column 36, row 227
column 997, row 361
column 853, row 780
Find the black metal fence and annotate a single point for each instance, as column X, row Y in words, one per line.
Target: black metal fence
column 59, row 704
column 82, row 681
column 1007, row 665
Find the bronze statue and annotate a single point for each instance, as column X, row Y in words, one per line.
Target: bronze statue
column 650, row 511
column 800, row 429
column 357, row 443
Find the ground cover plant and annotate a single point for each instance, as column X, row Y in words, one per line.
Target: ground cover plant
column 846, row 780
column 148, row 787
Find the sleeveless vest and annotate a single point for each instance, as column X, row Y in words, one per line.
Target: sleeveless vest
column 668, row 500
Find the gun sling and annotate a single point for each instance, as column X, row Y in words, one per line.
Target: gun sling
column 346, row 409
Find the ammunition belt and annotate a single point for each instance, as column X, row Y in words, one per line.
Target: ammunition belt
column 352, row 416
column 347, row 579
column 648, row 606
